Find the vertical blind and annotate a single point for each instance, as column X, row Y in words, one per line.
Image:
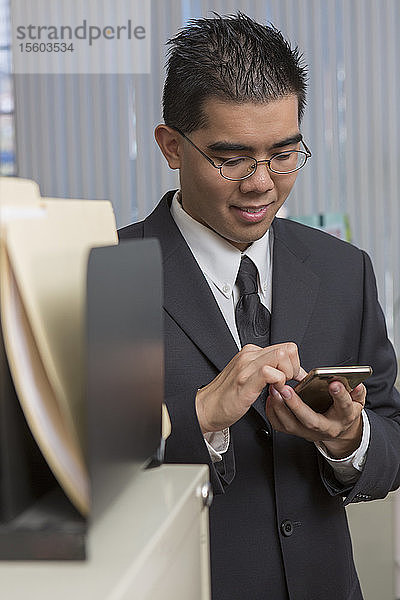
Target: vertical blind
column 92, row 136
column 7, row 133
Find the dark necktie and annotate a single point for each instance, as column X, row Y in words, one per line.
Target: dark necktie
column 252, row 317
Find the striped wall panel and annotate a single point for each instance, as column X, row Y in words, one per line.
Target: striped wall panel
column 92, row 136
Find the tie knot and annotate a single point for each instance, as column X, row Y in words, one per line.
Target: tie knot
column 247, row 277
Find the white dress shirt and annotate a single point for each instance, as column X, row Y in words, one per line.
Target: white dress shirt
column 220, row 261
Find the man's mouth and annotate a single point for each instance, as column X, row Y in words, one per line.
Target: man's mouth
column 251, row 214
column 253, row 210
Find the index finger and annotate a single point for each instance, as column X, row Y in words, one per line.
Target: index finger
column 285, row 358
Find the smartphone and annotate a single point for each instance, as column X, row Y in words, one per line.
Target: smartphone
column 313, row 389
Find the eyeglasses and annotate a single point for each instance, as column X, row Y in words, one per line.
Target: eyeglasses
column 242, row 167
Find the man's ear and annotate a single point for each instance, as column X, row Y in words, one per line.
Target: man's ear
column 170, row 143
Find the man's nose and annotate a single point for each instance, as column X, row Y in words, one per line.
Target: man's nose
column 260, row 181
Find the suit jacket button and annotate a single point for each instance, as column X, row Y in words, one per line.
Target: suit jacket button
column 264, row 433
column 287, row 528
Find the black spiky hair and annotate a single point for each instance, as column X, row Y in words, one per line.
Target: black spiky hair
column 232, row 58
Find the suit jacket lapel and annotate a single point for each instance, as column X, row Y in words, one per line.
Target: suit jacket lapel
column 294, row 287
column 192, row 305
column 294, row 292
column 189, row 301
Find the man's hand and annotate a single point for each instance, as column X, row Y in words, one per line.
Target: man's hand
column 229, row 396
column 339, row 428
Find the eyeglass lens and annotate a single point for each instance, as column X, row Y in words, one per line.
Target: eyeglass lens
column 243, row 166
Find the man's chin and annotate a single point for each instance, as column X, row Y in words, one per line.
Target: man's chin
column 244, row 242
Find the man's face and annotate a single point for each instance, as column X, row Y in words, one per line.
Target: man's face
column 249, row 129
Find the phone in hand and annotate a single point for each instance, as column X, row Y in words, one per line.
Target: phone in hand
column 313, row 389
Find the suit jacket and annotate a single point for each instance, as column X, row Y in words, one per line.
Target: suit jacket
column 278, row 526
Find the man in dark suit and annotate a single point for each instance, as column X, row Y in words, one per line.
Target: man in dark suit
column 253, row 302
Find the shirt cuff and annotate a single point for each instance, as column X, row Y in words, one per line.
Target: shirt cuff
column 348, row 469
column 217, row 443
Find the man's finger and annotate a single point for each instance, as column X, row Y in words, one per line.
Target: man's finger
column 342, row 401
column 302, row 412
column 300, row 375
column 359, row 394
column 284, row 357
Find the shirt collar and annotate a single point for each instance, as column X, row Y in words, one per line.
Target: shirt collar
column 217, row 258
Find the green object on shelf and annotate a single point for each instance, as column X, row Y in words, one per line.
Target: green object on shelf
column 335, row 223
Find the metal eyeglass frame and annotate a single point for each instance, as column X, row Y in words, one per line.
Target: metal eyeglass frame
column 307, row 154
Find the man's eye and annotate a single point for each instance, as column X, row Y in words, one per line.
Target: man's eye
column 284, row 156
column 234, row 162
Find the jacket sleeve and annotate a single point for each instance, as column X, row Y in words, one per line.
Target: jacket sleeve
column 381, row 472
column 186, row 444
